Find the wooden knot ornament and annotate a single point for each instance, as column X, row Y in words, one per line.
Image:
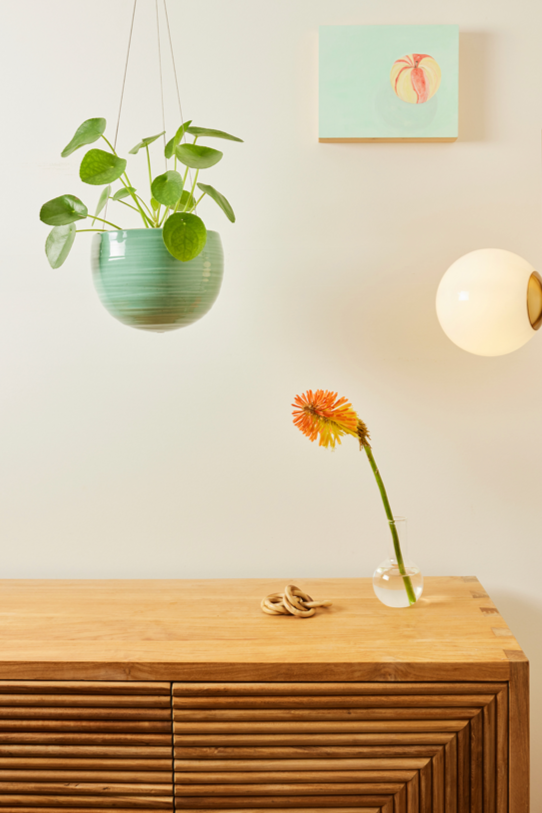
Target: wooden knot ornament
column 292, row 602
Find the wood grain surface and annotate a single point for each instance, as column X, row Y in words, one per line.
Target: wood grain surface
column 214, row 630
column 64, row 749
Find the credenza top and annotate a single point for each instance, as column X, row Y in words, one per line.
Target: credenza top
column 211, row 629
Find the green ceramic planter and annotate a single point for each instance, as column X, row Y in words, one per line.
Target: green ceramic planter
column 143, row 286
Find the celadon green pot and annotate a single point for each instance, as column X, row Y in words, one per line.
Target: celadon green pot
column 143, row 286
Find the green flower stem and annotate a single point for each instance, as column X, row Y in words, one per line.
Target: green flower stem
column 396, row 546
column 166, row 211
column 95, row 217
column 199, row 199
column 129, row 205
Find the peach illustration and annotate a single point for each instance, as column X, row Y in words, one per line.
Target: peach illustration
column 415, row 78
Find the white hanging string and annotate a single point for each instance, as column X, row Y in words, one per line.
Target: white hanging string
column 125, row 72
column 176, row 84
column 161, row 81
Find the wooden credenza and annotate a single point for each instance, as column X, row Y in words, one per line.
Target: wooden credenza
column 182, row 695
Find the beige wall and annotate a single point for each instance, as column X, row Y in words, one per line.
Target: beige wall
column 126, row 454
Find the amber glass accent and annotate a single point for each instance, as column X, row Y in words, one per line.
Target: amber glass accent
column 534, row 300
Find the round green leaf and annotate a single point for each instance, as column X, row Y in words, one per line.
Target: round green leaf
column 63, row 210
column 172, row 143
column 87, row 133
column 99, row 167
column 220, row 199
column 185, row 236
column 58, row 244
column 204, row 131
column 167, row 188
column 145, row 143
column 125, row 192
column 104, row 197
column 187, row 203
column 197, row 157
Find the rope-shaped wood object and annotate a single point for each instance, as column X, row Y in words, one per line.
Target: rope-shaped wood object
column 292, row 602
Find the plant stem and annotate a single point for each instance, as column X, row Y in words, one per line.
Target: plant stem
column 191, row 195
column 149, row 166
column 127, row 184
column 199, row 199
column 129, row 205
column 396, row 546
column 78, row 231
column 119, row 228
column 166, row 210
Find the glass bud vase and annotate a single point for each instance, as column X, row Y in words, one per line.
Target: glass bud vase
column 390, row 585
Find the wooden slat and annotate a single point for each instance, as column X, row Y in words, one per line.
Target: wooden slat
column 255, row 740
column 374, row 751
column 274, row 802
column 346, row 701
column 302, row 789
column 82, row 726
column 125, row 809
column 71, row 713
column 195, row 718
column 502, row 751
column 85, row 764
column 342, row 728
column 77, row 751
column 60, row 802
column 519, row 736
column 84, row 700
column 71, row 738
column 385, row 809
column 413, row 794
column 283, row 776
column 400, row 801
column 437, row 782
column 85, row 687
column 450, row 776
column 490, row 752
column 100, row 788
column 476, row 764
column 257, row 765
column 240, row 689
column 67, row 774
column 463, row 771
column 426, row 790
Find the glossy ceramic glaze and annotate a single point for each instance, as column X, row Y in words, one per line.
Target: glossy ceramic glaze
column 143, row 286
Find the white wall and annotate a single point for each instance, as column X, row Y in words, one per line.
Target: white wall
column 148, row 455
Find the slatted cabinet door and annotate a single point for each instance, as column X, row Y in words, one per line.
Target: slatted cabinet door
column 76, row 746
column 356, row 747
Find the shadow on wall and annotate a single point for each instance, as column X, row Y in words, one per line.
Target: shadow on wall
column 525, row 621
column 473, row 84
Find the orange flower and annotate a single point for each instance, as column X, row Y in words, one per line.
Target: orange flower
column 322, row 414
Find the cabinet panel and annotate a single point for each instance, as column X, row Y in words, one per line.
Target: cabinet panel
column 74, row 746
column 416, row 747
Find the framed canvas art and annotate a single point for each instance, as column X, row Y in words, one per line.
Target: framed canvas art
column 388, row 82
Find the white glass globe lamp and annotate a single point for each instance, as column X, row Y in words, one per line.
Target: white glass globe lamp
column 489, row 302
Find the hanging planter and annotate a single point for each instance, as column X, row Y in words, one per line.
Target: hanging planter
column 142, row 285
column 167, row 274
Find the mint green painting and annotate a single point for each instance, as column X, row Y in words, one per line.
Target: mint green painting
column 387, row 82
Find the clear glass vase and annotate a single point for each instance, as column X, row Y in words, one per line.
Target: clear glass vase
column 391, row 587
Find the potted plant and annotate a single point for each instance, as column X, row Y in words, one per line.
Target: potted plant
column 167, row 274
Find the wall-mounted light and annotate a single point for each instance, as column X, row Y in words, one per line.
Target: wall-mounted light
column 489, row 302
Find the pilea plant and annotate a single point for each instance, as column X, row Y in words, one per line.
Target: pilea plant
column 171, row 206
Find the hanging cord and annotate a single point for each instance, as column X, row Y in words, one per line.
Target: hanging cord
column 176, row 85
column 122, row 89
column 125, row 72
column 161, row 81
